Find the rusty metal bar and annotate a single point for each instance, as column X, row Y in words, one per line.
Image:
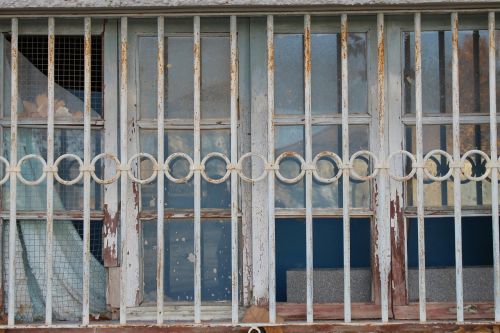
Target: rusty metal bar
column 49, row 170
column 494, row 159
column 270, row 177
column 234, row 172
column 383, row 221
column 345, row 171
column 123, row 166
column 197, row 169
column 420, row 170
column 161, row 178
column 11, row 307
column 86, row 175
column 309, row 166
column 457, row 204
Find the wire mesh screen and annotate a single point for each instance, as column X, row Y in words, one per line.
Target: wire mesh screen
column 68, row 269
column 68, row 64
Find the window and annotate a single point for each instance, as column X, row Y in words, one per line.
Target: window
column 300, row 162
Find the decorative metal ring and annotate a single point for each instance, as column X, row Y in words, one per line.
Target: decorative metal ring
column 153, row 174
column 486, row 158
column 20, row 175
column 290, row 154
column 215, row 155
column 413, row 164
column 77, row 178
column 442, row 153
column 171, row 158
column 117, row 168
column 335, row 158
column 240, row 168
column 254, row 329
column 6, row 176
column 375, row 162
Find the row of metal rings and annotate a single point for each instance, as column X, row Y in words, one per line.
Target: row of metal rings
column 304, row 167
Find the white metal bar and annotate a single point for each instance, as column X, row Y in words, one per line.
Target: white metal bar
column 345, row 171
column 420, row 170
column 86, row 175
column 11, row 307
column 383, row 221
column 50, row 175
column 308, row 159
column 234, row 173
column 456, row 168
column 494, row 157
column 197, row 174
column 123, row 174
column 161, row 178
column 270, row 158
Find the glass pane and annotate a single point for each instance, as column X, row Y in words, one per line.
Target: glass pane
column 329, row 138
column 67, row 254
column 179, row 260
column 289, row 74
column 474, row 193
column 436, row 71
column 181, row 195
column 215, row 80
column 69, row 77
column 328, row 260
column 289, row 139
column 34, row 141
column 477, row 250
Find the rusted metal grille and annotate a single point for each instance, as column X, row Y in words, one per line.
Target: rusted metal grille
column 388, row 165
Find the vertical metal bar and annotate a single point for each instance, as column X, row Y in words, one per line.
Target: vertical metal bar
column 308, row 160
column 197, row 174
column 345, row 171
column 456, row 168
column 161, row 177
column 11, row 307
column 270, row 158
column 234, row 174
column 384, row 229
column 86, row 174
column 50, row 175
column 123, row 172
column 494, row 158
column 420, row 170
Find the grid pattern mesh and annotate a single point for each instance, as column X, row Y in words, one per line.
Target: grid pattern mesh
column 68, row 64
column 67, row 266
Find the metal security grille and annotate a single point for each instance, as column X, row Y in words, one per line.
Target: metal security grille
column 385, row 171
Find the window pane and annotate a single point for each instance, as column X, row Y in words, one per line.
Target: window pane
column 441, row 193
column 215, row 80
column 328, row 260
column 179, row 260
column 477, row 252
column 329, row 138
column 181, row 195
column 34, row 141
column 436, row 71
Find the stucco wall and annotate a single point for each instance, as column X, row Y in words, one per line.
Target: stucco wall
column 153, row 4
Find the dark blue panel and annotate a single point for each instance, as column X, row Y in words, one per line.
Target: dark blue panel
column 328, row 246
column 477, row 248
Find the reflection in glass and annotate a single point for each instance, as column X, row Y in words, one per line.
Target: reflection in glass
column 179, row 260
column 436, row 71
column 440, row 137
